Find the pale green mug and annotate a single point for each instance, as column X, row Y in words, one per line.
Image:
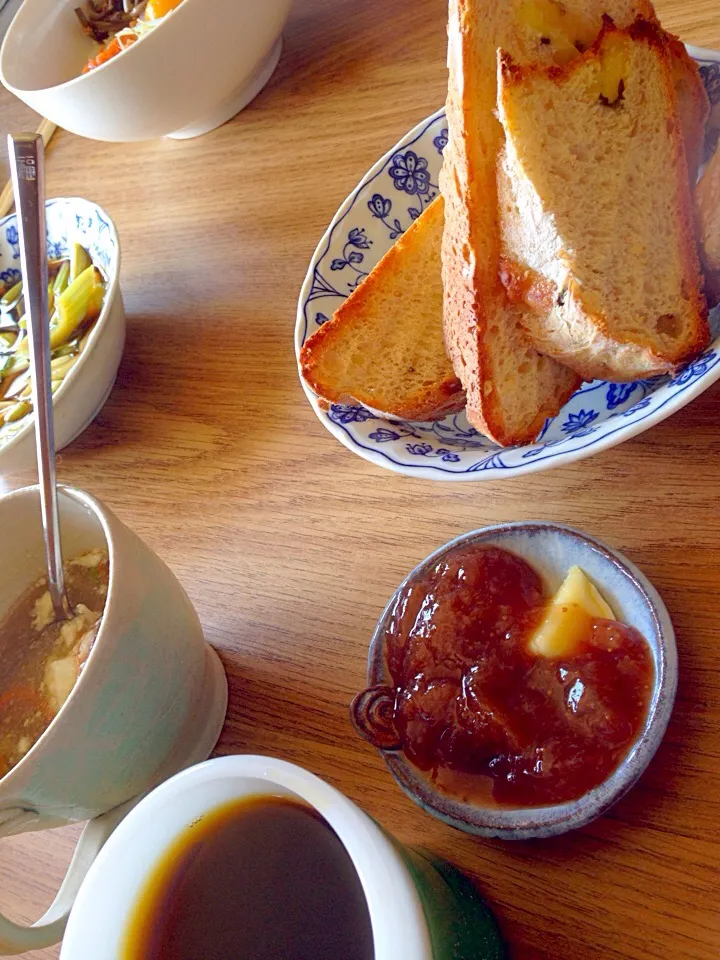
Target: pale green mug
column 150, row 701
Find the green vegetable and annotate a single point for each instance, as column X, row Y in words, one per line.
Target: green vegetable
column 18, row 411
column 9, row 298
column 79, row 261
column 72, row 307
column 62, row 278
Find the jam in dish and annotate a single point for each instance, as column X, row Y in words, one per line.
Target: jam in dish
column 487, row 717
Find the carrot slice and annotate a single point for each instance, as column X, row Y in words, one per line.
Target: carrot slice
column 26, row 699
column 110, row 50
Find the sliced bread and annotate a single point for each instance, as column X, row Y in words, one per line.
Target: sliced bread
column 707, row 205
column 384, row 346
column 510, row 387
column 599, row 237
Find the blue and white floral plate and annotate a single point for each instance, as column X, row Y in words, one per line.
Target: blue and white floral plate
column 596, row 418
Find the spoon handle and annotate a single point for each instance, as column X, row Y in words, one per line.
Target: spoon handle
column 27, row 168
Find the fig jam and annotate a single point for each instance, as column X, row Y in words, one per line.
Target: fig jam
column 486, row 718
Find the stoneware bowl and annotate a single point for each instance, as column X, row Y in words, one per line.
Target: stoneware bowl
column 551, row 549
column 86, row 388
column 150, row 701
column 420, row 908
column 200, row 66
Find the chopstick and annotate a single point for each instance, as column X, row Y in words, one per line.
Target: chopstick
column 7, row 201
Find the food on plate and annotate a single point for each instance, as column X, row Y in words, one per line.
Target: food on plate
column 384, row 346
column 514, row 377
column 42, row 659
column 511, row 388
column 476, row 320
column 597, row 231
column 75, row 299
column 707, row 205
column 117, row 24
column 504, row 696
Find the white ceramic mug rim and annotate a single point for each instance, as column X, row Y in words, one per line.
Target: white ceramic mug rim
column 105, row 629
column 387, row 883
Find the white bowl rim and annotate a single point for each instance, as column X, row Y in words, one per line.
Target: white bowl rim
column 111, row 293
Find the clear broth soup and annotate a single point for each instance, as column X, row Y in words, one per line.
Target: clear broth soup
column 41, row 660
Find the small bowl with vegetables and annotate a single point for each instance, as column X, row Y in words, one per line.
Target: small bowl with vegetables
column 87, row 326
column 126, row 70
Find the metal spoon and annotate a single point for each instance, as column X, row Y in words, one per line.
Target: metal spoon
column 27, row 168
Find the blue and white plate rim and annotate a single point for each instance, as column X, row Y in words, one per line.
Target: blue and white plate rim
column 492, row 463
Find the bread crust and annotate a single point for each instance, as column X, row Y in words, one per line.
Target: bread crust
column 590, row 351
column 474, row 299
column 693, row 103
column 564, row 323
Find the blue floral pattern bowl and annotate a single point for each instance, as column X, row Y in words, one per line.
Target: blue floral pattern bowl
column 87, row 386
column 599, row 416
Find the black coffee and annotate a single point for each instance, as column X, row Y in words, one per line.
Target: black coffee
column 263, row 878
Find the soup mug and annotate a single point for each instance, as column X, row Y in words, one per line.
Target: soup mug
column 150, row 700
column 420, row 909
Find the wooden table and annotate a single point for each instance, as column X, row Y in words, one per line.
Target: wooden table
column 289, row 545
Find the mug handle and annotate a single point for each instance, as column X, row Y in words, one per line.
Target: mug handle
column 49, row 929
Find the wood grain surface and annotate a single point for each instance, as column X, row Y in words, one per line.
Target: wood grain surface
column 290, row 545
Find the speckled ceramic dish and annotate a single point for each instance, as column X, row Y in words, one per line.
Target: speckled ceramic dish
column 551, row 549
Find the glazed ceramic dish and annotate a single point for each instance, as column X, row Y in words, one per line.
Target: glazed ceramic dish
column 150, row 700
column 551, row 549
column 600, row 415
column 419, row 910
column 86, row 388
column 148, row 90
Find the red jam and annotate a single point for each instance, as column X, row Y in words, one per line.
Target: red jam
column 487, row 719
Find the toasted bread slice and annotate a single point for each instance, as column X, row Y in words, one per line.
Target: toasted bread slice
column 600, row 240
column 707, row 206
column 510, row 388
column 384, row 346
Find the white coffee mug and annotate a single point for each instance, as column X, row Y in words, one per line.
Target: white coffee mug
column 150, row 701
column 420, row 908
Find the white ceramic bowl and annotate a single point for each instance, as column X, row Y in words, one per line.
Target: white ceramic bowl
column 196, row 70
column 86, row 388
